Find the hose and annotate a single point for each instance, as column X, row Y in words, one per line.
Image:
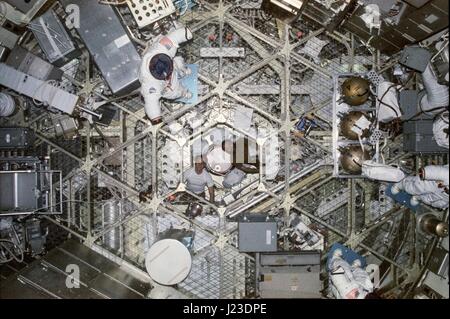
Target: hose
column 13, row 256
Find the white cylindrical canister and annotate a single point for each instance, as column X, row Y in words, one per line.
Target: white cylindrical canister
column 169, row 260
column 7, row 105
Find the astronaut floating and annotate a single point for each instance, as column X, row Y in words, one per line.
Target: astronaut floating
column 348, row 281
column 161, row 72
column 431, row 186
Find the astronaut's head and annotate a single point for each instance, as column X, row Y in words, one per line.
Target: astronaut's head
column 199, row 164
column 161, row 66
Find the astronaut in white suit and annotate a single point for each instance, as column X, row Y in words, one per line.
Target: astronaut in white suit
column 431, row 186
column 161, row 72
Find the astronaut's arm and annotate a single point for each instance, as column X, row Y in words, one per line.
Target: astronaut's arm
column 152, row 97
column 180, row 35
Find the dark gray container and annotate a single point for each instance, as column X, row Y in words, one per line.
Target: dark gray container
column 109, row 44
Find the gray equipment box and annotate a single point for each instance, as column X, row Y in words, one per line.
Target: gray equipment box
column 417, row 3
column 409, row 102
column 22, row 5
column 53, row 39
column 14, row 138
column 257, row 233
column 18, row 191
column 37, row 89
column 415, row 58
column 418, row 137
column 290, row 275
column 8, row 39
column 28, row 63
column 109, row 44
column 418, row 134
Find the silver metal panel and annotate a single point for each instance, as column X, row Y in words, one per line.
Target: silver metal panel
column 99, row 277
column 59, row 259
column 146, row 12
column 15, row 289
column 54, row 283
column 113, row 289
column 418, row 137
column 8, row 38
column 290, row 259
column 37, row 89
column 439, row 262
column 97, row 272
column 26, row 62
column 268, row 89
column 437, row 283
column 290, row 275
column 22, row 5
column 257, row 236
column 298, row 282
column 250, row 4
column 109, row 44
column 82, row 252
column 222, row 52
column 129, row 281
column 53, row 38
column 415, row 57
column 18, row 191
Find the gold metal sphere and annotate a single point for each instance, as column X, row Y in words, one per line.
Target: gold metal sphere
column 352, row 158
column 355, row 91
column 347, row 124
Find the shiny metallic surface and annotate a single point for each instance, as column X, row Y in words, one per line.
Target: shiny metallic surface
column 352, row 158
column 348, row 123
column 433, row 226
column 355, row 91
column 112, row 215
column 194, row 209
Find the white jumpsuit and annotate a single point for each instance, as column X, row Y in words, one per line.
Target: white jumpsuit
column 153, row 89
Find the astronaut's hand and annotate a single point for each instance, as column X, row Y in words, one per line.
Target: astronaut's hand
column 187, row 71
column 187, row 95
column 156, row 120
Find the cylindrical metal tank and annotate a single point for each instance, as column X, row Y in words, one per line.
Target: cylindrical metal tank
column 169, row 259
column 352, row 158
column 430, row 224
column 349, row 125
column 7, row 105
column 111, row 214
